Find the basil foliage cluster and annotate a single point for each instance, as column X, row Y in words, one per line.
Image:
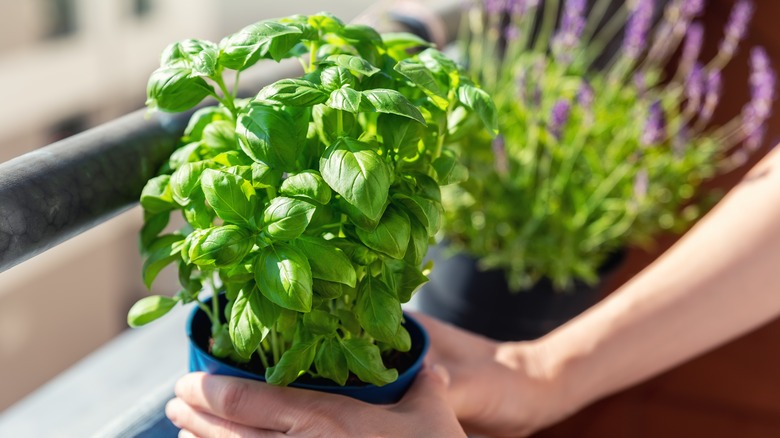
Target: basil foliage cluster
column 312, row 204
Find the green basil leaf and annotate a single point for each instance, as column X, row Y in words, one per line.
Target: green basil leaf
column 358, row 174
column 378, row 309
column 448, row 168
column 287, row 218
column 365, row 40
column 220, row 135
column 184, row 180
column 154, row 224
column 222, row 347
column 164, row 251
column 355, row 64
column 327, row 261
column 191, row 283
column 196, row 212
column 427, row 187
column 330, row 361
column 399, row 44
column 269, row 135
column 333, row 78
column 232, row 159
column 174, row 89
column 356, row 216
column 410, row 279
column 156, row 196
column 264, row 176
column 199, row 55
column 202, row 118
column 148, row 309
column 296, row 360
column 391, row 235
column 283, row 275
column 188, row 153
column 326, row 122
column 345, row 99
column 327, row 290
column 320, row 322
column 480, row 102
column 365, row 360
column 402, row 341
column 293, row 92
column 326, row 22
column 232, row 197
column 425, row 211
column 392, row 102
column 246, row 328
column 221, row 246
column 437, row 62
column 307, row 184
column 423, row 78
column 244, row 48
column 400, row 134
column 418, row 243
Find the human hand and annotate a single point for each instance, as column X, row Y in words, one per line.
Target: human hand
column 209, row 405
column 496, row 389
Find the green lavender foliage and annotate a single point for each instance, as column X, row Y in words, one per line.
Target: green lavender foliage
column 599, row 149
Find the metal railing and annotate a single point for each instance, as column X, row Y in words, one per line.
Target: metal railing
column 54, row 193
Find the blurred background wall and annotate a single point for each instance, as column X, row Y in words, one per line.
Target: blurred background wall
column 65, row 66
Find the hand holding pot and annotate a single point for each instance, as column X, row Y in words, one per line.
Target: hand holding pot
column 497, row 388
column 211, row 405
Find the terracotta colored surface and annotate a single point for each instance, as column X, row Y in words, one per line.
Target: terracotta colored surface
column 733, row 391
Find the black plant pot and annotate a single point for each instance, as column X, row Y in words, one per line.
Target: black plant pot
column 480, row 301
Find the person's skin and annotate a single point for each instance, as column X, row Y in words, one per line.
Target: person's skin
column 219, row 406
column 718, row 282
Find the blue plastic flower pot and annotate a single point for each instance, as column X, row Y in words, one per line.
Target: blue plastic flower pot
column 199, row 332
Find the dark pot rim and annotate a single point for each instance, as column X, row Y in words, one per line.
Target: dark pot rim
column 405, row 377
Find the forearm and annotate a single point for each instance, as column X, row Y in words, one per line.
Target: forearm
column 719, row 282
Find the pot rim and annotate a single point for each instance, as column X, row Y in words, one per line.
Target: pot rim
column 412, row 370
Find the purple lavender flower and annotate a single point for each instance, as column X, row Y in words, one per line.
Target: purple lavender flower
column 736, row 27
column 755, row 139
column 520, row 85
column 558, row 117
column 585, row 95
column 762, row 90
column 712, row 95
column 568, row 34
column 692, row 47
column 691, row 8
column 499, row 155
column 640, row 82
column 694, row 87
column 655, row 127
column 495, row 7
column 519, row 7
column 637, row 29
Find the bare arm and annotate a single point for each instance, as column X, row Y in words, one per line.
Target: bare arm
column 720, row 281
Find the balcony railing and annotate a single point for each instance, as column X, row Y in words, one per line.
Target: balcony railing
column 54, row 193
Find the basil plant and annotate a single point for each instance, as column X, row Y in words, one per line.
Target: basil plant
column 310, row 205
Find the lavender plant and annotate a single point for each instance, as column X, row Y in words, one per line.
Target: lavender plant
column 603, row 145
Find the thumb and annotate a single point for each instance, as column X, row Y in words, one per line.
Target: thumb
column 429, row 386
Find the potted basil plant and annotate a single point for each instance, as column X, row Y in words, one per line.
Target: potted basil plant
column 308, row 208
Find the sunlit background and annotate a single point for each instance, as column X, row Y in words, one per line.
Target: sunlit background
column 65, row 66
